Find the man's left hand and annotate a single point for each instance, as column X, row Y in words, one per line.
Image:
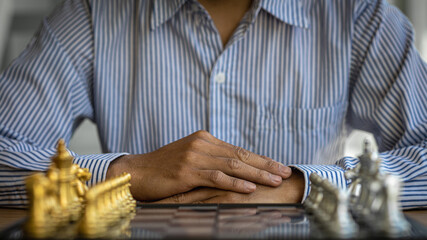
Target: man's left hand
column 290, row 191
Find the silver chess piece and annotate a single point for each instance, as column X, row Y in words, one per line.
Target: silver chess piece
column 316, row 194
column 354, row 186
column 391, row 220
column 329, row 206
column 366, row 182
column 341, row 223
column 375, row 196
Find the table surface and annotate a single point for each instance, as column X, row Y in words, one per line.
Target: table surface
column 9, row 216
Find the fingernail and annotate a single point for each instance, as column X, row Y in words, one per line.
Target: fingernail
column 250, row 186
column 284, row 170
column 275, row 178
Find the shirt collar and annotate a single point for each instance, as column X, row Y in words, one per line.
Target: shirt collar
column 288, row 11
column 292, row 12
column 163, row 10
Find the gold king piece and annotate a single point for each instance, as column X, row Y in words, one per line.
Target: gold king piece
column 55, row 199
column 62, row 206
column 68, row 198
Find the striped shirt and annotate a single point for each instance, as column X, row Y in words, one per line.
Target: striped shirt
column 294, row 79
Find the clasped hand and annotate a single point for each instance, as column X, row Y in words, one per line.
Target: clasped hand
column 198, row 160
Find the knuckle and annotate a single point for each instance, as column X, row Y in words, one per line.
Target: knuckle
column 178, row 198
column 190, row 145
column 182, row 173
column 202, row 134
column 194, row 144
column 179, row 174
column 260, row 173
column 270, row 164
column 241, row 153
column 235, row 182
column 189, row 155
column 233, row 164
column 216, row 175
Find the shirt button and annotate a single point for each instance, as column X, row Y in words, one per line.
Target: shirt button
column 220, row 78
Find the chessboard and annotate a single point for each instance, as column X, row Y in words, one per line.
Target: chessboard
column 222, row 221
column 62, row 206
column 225, row 221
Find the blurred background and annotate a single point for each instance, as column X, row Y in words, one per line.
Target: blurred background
column 19, row 19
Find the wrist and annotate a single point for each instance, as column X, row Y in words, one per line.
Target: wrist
column 293, row 187
column 117, row 166
column 299, row 183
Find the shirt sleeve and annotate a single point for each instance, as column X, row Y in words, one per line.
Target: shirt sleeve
column 387, row 96
column 44, row 95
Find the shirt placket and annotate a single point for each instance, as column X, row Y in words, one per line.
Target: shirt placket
column 218, row 65
column 221, row 79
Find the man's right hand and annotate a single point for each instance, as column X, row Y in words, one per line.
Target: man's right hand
column 198, row 160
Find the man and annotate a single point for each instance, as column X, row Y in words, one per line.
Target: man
column 282, row 80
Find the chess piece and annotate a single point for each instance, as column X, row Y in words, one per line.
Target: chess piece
column 56, row 199
column 51, row 199
column 130, row 201
column 368, row 181
column 61, row 197
column 82, row 175
column 68, row 199
column 324, row 207
column 376, row 204
column 341, row 223
column 354, row 187
column 329, row 206
column 91, row 224
column 107, row 208
column 38, row 224
column 389, row 220
column 316, row 194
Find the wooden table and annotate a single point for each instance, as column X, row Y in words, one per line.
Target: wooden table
column 419, row 215
column 10, row 216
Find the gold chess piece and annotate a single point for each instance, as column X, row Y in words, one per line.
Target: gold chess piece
column 107, row 208
column 82, row 175
column 39, row 224
column 57, row 198
column 68, row 200
column 61, row 203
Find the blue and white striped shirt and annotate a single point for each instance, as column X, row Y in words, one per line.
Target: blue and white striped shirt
column 291, row 83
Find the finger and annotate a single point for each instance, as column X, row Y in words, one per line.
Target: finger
column 236, row 168
column 216, row 199
column 220, row 180
column 197, row 195
column 224, row 149
column 260, row 162
column 223, row 199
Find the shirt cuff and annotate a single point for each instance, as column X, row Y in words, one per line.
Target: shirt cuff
column 97, row 164
column 333, row 173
